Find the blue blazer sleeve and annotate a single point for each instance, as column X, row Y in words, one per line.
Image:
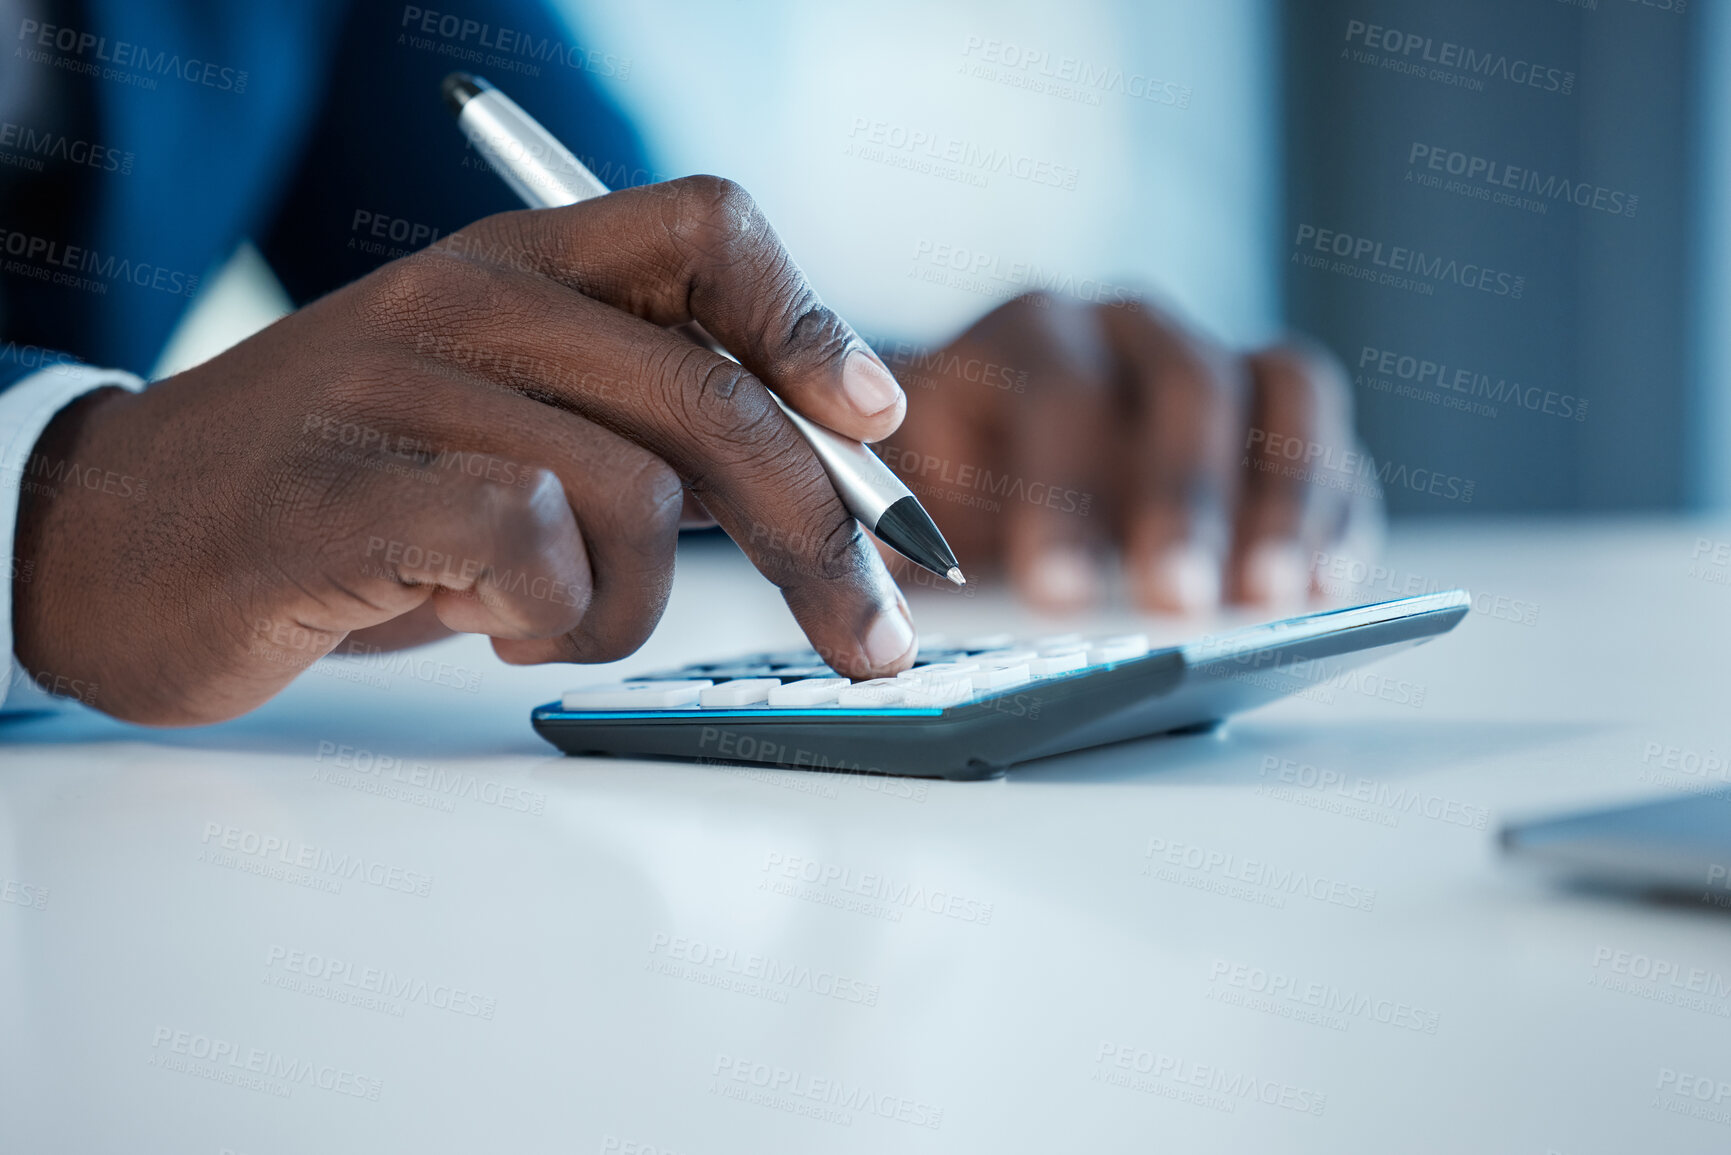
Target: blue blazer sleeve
column 312, row 126
column 385, row 170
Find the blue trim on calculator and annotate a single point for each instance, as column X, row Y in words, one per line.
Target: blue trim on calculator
column 557, row 710
column 1165, row 690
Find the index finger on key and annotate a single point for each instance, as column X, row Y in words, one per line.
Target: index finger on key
column 718, row 427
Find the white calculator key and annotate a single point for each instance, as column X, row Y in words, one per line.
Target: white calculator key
column 807, row 692
column 1118, row 648
column 942, row 690
column 996, row 675
column 1059, row 643
column 940, row 669
column 877, row 692
column 1058, row 664
column 1003, row 657
column 988, row 642
column 739, row 692
column 636, row 695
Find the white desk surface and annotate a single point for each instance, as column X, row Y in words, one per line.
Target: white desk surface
column 618, row 966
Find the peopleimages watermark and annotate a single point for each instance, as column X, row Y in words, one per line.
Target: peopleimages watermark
column 23, row 894
column 925, row 367
column 830, row 1100
column 1446, row 62
column 419, row 782
column 1313, row 679
column 35, row 357
column 966, row 484
column 379, row 234
column 53, row 684
column 762, row 976
column 731, row 746
column 1704, row 1097
column 1321, row 1004
column 1253, row 880
column 352, row 659
column 45, row 476
column 1205, row 1084
column 819, row 775
column 960, row 267
column 1332, row 466
column 1066, row 77
column 29, row 148
column 89, row 54
column 387, row 558
column 1398, row 266
column 865, row 892
column 1711, row 561
column 1357, row 796
column 304, row 864
column 1347, row 577
column 80, row 267
column 930, row 152
column 500, row 48
column 1454, row 387
column 254, row 1068
column 342, row 980
column 1674, row 7
column 615, row 1145
column 372, row 447
column 1661, row 980
column 1685, row 768
column 1718, row 879
column 1482, row 178
column 614, row 174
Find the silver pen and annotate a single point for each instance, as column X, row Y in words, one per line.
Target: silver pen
column 544, row 174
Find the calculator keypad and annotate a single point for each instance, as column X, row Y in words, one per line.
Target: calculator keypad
column 944, row 675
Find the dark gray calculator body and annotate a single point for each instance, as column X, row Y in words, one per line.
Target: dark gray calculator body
column 972, row 730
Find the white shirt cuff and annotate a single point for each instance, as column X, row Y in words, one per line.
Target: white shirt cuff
column 26, row 408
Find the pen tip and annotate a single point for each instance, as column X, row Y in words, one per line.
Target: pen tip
column 955, row 575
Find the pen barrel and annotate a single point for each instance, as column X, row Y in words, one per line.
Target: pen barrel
column 866, row 485
column 544, row 174
column 526, row 156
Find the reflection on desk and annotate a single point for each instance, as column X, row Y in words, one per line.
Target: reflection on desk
column 379, row 914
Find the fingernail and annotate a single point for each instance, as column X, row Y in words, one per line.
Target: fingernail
column 1184, row 579
column 888, row 639
column 1276, row 575
column 868, row 385
column 1063, row 577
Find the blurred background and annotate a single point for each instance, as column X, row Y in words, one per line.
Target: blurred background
column 1507, row 217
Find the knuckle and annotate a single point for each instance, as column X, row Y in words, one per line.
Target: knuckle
column 1212, row 383
column 813, row 328
column 723, row 408
column 1307, row 383
column 816, row 550
column 1177, row 360
column 520, row 513
column 648, row 504
column 841, row 552
column 414, row 294
column 715, row 219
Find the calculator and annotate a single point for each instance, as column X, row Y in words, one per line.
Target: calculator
column 973, row 707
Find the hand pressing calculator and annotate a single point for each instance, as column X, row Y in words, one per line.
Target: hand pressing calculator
column 973, row 708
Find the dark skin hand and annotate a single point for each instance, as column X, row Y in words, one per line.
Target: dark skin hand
column 496, row 435
column 499, row 435
column 1052, row 436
